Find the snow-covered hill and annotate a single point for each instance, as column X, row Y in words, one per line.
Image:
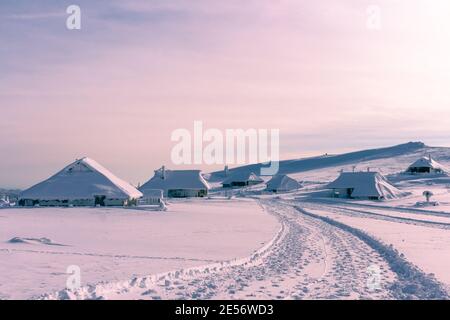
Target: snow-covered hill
column 325, row 168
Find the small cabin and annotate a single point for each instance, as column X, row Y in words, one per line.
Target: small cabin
column 363, row 185
column 82, row 183
column 282, row 183
column 177, row 183
column 426, row 165
column 242, row 179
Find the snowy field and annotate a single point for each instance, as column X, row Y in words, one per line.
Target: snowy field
column 424, row 239
column 297, row 245
column 113, row 244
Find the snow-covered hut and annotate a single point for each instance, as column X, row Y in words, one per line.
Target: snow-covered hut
column 282, row 183
column 426, row 165
column 177, row 183
column 242, row 179
column 364, row 185
column 82, row 183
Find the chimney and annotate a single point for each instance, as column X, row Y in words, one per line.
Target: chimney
column 163, row 172
column 429, row 157
column 368, row 169
column 225, row 170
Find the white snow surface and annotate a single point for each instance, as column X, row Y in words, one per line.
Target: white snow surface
column 423, row 239
column 298, row 245
column 113, row 244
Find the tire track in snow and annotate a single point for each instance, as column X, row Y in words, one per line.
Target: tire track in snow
column 104, row 255
column 325, row 267
column 384, row 207
column 412, row 282
column 308, row 259
column 378, row 216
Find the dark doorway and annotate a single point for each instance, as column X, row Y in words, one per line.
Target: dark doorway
column 100, row 201
column 349, row 192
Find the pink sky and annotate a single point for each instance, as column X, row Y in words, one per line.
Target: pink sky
column 115, row 90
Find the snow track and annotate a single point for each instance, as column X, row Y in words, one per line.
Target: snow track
column 385, row 207
column 374, row 214
column 310, row 258
column 101, row 255
column 411, row 282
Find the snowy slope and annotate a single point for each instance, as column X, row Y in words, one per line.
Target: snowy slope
column 326, row 168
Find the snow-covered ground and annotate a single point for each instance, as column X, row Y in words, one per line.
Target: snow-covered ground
column 112, row 244
column 298, row 245
column 423, row 239
column 307, row 259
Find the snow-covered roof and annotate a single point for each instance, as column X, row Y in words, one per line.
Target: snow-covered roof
column 175, row 179
column 282, row 182
column 366, row 184
column 242, row 176
column 82, row 179
column 428, row 162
